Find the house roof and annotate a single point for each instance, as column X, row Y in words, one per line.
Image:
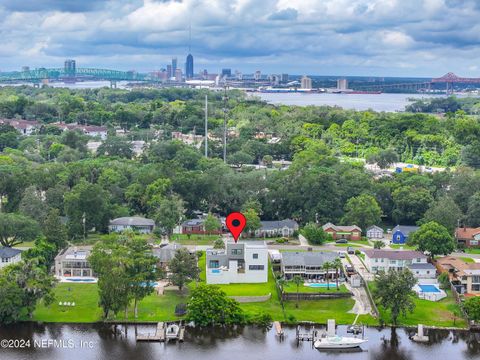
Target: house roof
column 458, row 265
column 8, row 252
column 393, row 254
column 466, row 233
column 307, row 258
column 166, row 253
column 405, row 229
column 132, row 221
column 279, row 224
column 341, row 227
column 421, row 266
column 375, row 227
column 193, row 222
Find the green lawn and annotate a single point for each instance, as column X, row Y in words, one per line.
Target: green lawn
column 194, row 239
column 472, row 251
column 467, row 259
column 431, row 313
column 347, row 245
column 404, row 247
column 26, row 244
column 290, row 287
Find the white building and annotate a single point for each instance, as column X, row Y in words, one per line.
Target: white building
column 375, row 232
column 9, row 256
column 306, row 83
column 135, row 223
column 240, row 262
column 384, row 260
column 73, row 262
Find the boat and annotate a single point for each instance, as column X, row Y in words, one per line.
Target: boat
column 338, row 342
column 355, row 329
column 172, row 332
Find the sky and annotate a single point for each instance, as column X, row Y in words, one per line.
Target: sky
column 412, row 38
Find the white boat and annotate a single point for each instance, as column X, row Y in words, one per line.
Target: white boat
column 172, row 332
column 338, row 342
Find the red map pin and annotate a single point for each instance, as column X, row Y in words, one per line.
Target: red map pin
column 236, row 223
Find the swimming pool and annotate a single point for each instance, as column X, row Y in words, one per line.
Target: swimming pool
column 429, row 288
column 320, row 285
column 216, row 271
column 80, row 279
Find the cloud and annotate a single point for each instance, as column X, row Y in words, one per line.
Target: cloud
column 285, row 14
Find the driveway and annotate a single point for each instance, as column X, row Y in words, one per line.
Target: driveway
column 360, row 268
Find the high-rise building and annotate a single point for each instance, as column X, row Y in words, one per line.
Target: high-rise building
column 284, row 78
column 342, row 84
column 25, row 68
column 169, row 71
column 174, row 65
column 70, row 67
column 178, row 75
column 226, row 72
column 189, row 67
column 258, row 75
column 306, row 83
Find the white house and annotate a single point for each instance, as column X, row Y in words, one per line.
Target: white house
column 73, row 262
column 135, row 223
column 375, row 232
column 9, row 256
column 285, row 228
column 384, row 260
column 240, row 262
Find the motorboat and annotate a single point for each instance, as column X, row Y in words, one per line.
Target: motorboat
column 172, row 332
column 338, row 342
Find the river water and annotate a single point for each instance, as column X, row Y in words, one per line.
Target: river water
column 377, row 102
column 97, row 342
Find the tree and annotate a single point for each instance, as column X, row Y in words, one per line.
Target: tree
column 363, row 211
column 219, row 244
column 384, row 158
column 378, row 244
column 393, row 291
column 32, row 204
column 471, row 154
column 472, row 308
column 434, row 238
column 253, row 220
column 183, row 268
column 327, row 266
column 337, row 265
column 445, row 212
column 169, row 213
column 410, row 204
column 473, row 211
column 53, row 229
column 116, row 146
column 16, row 228
column 211, row 224
column 240, row 158
column 298, row 280
column 209, row 305
column 10, row 301
column 314, row 234
column 267, row 160
column 444, row 280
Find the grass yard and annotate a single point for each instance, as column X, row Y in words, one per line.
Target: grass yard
column 347, row 245
column 290, row 287
column 184, row 239
column 431, row 313
column 404, row 247
column 467, row 260
column 472, row 251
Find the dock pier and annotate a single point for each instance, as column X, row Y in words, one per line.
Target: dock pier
column 160, row 334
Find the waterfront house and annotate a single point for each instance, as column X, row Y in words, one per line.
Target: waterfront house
column 383, row 260
column 375, row 232
column 9, row 256
column 286, row 228
column 465, row 277
column 400, row 233
column 306, row 264
column 350, row 232
column 73, row 262
column 467, row 237
column 165, row 254
column 135, row 223
column 241, row 262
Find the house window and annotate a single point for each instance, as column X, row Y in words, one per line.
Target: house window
column 419, row 260
column 398, row 237
column 256, row 267
column 473, row 242
column 214, row 264
column 255, row 256
column 476, row 287
column 236, row 251
column 428, row 271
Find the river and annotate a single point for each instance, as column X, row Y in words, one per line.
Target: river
column 377, row 102
column 97, row 342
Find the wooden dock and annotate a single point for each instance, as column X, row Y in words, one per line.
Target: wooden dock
column 158, row 336
column 278, row 329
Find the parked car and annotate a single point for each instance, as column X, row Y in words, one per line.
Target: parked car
column 350, row 270
column 350, row 250
column 341, row 255
column 342, row 241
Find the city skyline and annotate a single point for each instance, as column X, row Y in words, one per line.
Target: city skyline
column 340, row 38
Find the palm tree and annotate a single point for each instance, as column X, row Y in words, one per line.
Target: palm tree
column 327, row 266
column 297, row 280
column 337, row 264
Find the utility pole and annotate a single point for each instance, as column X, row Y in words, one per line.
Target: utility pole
column 206, row 126
column 225, row 99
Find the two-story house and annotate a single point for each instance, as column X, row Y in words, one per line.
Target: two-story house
column 383, row 260
column 468, row 237
column 241, row 262
column 9, row 256
column 465, row 277
column 73, row 262
column 307, row 264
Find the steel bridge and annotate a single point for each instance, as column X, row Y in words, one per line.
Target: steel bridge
column 40, row 75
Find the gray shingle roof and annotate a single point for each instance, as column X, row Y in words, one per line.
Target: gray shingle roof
column 193, row 222
column 422, row 266
column 132, row 221
column 7, row 252
column 405, row 229
column 306, row 258
column 279, row 224
column 393, row 254
column 166, row 253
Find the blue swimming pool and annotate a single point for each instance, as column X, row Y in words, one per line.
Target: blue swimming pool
column 216, row 271
column 79, row 280
column 320, row 285
column 429, row 288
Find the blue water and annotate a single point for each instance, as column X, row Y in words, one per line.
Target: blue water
column 216, row 271
column 80, row 280
column 322, row 285
column 429, row 288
